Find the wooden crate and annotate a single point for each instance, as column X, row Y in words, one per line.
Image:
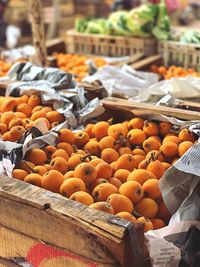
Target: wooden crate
column 108, row 45
column 175, row 53
column 46, row 229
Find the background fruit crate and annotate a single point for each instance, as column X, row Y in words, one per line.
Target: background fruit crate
column 185, row 55
column 108, row 45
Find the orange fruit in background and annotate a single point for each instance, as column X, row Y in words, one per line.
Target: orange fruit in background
column 88, row 129
column 117, row 130
column 136, row 123
column 59, row 164
column 96, row 161
column 124, row 150
column 65, row 146
column 60, row 153
column 155, row 155
column 74, row 161
column 38, row 114
column 183, row 147
column 24, row 108
column 100, row 129
column 140, row 176
column 166, row 165
column 126, row 162
column 49, row 150
column 152, row 175
column 37, row 108
column 36, row 156
column 34, row 100
column 186, row 135
column 66, row 135
column 20, row 115
column 86, row 172
column 157, row 223
column 116, row 182
column 107, row 142
column 171, row 138
column 82, row 197
column 16, row 133
column 81, row 138
column 137, row 160
column 109, row 155
column 149, row 145
column 126, row 215
column 92, row 147
column 136, row 137
column 122, row 175
column 15, row 122
column 97, row 182
column 133, row 190
column 19, row 174
column 102, row 191
column 47, row 109
column 104, row 170
column 6, row 117
column 151, row 189
column 72, row 185
column 34, row 179
column 27, row 123
column 143, row 164
column 9, row 104
column 169, row 149
column 164, row 127
column 120, row 203
column 150, row 128
column 147, row 207
column 103, row 206
column 41, row 170
column 55, row 116
column 69, row 174
column 24, row 98
column 157, row 168
column 52, row 180
column 147, row 223
column 138, row 151
column 3, row 128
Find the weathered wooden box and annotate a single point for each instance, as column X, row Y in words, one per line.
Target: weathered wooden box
column 45, row 229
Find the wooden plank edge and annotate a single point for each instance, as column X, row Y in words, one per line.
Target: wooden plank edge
column 131, row 106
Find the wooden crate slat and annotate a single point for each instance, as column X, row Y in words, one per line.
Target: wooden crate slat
column 186, row 55
column 149, row 109
column 108, row 45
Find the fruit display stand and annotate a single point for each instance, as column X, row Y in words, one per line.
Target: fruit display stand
column 47, row 229
column 186, row 55
column 108, row 45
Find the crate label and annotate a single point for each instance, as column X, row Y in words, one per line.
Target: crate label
column 41, row 252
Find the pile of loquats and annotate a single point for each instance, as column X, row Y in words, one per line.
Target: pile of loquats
column 18, row 114
column 113, row 168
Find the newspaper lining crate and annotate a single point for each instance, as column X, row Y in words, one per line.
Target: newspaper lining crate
column 186, row 55
column 108, row 45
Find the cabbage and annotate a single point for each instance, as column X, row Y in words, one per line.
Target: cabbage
column 117, row 22
column 162, row 29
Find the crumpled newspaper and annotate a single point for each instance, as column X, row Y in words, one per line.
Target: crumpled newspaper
column 72, row 103
column 182, row 87
column 125, row 81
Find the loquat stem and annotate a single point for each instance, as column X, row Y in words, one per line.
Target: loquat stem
column 110, row 121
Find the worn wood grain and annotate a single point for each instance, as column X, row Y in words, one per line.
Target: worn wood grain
column 69, row 225
column 149, row 109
